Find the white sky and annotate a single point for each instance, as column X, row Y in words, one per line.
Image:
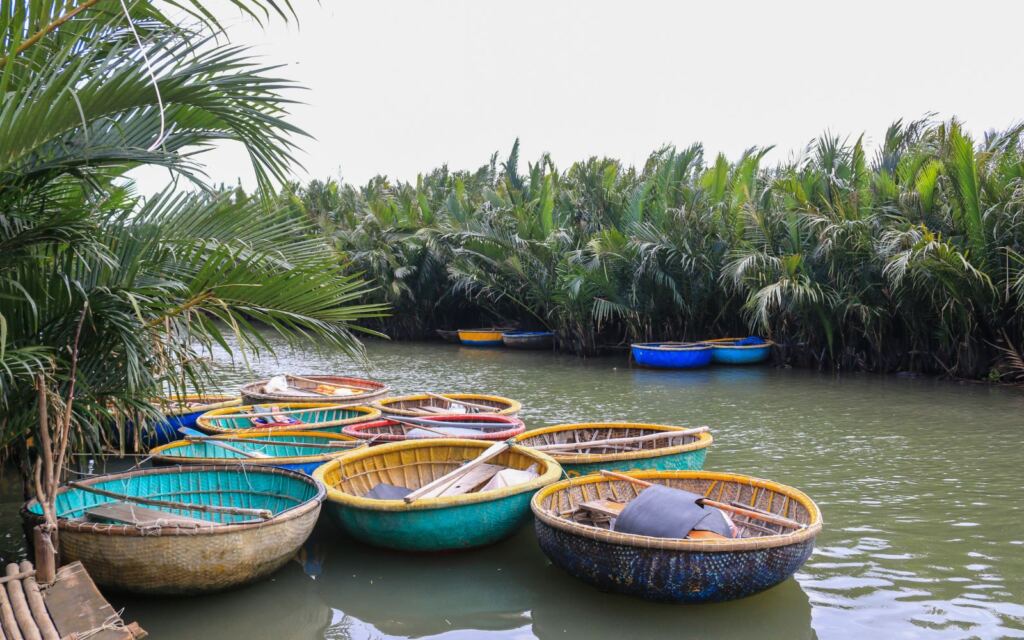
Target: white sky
column 399, row 87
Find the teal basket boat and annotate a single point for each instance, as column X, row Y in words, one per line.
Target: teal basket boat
column 184, row 530
column 295, row 416
column 620, row 446
column 750, row 350
column 429, row 524
column 302, row 451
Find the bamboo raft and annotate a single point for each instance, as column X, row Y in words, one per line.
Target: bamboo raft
column 338, row 390
column 776, row 529
column 71, row 607
column 421, row 404
column 620, row 446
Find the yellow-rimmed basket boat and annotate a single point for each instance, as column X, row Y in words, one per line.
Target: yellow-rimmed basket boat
column 302, row 451
column 687, row 451
column 678, row 569
column 304, row 389
column 129, row 543
column 420, row 404
column 749, row 350
column 429, row 524
column 318, row 416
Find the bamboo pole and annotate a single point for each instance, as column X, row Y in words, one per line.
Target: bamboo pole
column 661, row 435
column 22, row 614
column 266, row 514
column 491, row 452
column 10, row 624
column 771, row 518
column 36, row 603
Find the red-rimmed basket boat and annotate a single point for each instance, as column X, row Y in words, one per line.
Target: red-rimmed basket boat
column 500, row 428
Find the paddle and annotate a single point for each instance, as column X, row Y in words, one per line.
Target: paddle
column 492, row 451
column 266, row 514
column 584, row 444
column 192, row 433
column 766, row 517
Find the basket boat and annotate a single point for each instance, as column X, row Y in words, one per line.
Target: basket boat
column 480, row 337
column 429, row 524
column 448, row 335
column 183, row 411
column 316, row 416
column 303, row 389
column 683, row 452
column 301, row 451
column 672, row 355
column 528, row 339
column 678, row 569
column 178, row 551
column 421, row 404
column 750, row 350
column 494, row 428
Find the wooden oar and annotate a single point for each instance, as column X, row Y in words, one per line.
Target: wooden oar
column 473, row 405
column 492, row 451
column 772, row 518
column 217, row 443
column 266, row 514
column 584, row 444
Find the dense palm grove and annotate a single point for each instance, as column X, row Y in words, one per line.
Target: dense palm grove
column 910, row 260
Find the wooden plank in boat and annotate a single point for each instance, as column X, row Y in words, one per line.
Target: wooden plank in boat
column 472, row 480
column 608, row 508
column 125, row 513
column 76, row 606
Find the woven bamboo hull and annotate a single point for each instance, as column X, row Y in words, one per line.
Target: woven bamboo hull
column 407, row 405
column 651, row 355
column 253, row 392
column 528, row 339
column 281, row 454
column 654, row 574
column 480, row 337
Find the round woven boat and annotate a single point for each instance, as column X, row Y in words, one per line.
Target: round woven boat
column 385, row 430
column 429, row 524
column 166, row 558
column 296, row 450
column 726, row 351
column 365, row 390
column 683, row 452
column 316, row 416
column 678, row 569
column 421, row 404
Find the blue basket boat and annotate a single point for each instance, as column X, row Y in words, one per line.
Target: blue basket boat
column 528, row 339
column 301, row 451
column 750, row 350
column 677, row 569
column 184, row 530
column 672, row 355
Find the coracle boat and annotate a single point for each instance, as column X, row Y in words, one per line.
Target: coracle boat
column 480, row 337
column 183, row 411
column 750, row 350
column 313, row 388
column 775, row 529
column 301, row 451
column 528, row 339
column 442, row 512
column 422, row 404
column 448, row 335
column 672, row 355
column 184, row 530
column 620, row 446
column 473, row 426
column 294, row 416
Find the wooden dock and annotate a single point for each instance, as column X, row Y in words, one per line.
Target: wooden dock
column 71, row 608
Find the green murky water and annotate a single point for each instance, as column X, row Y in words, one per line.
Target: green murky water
column 919, row 481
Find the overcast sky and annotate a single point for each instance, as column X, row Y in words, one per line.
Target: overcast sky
column 400, row 87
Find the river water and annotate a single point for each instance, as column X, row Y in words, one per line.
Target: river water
column 919, row 481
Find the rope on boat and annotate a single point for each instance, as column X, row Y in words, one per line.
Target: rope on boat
column 112, row 623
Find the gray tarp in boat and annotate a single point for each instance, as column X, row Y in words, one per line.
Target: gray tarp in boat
column 662, row 512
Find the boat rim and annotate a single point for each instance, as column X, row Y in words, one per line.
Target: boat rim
column 159, row 453
column 681, row 544
column 132, row 531
column 369, row 413
column 337, row 496
column 681, row 346
column 368, row 389
column 527, row 334
column 703, row 441
column 510, row 406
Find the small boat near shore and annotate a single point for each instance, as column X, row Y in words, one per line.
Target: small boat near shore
column 528, row 339
column 420, row 404
column 473, row 426
column 775, row 529
column 480, row 337
column 448, row 335
column 293, row 416
column 184, row 530
column 313, row 388
column 672, row 355
column 371, row 492
column 620, row 446
column 301, row 451
column 749, row 350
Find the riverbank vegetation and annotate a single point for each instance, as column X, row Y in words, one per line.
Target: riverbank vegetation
column 909, row 258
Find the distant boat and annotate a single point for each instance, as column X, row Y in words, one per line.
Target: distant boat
column 672, row 355
column 302, row 451
column 480, row 337
column 419, row 404
column 528, row 339
column 291, row 416
column 313, row 388
column 750, row 350
column 773, row 539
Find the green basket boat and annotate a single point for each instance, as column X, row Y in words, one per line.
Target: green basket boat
column 429, row 524
column 233, row 525
column 686, row 451
column 296, row 450
column 298, row 416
